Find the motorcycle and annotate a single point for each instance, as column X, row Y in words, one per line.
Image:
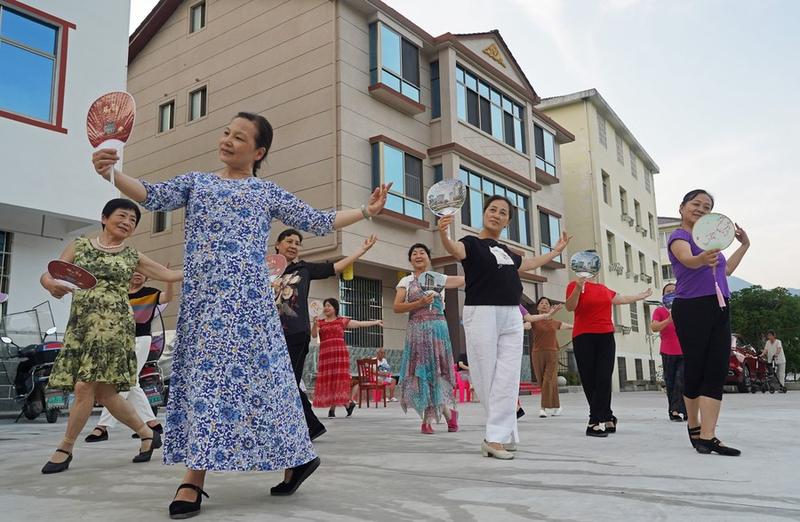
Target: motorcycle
column 151, row 379
column 32, row 377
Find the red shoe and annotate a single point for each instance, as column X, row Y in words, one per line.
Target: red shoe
column 452, row 424
column 427, row 429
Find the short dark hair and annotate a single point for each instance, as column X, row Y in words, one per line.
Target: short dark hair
column 542, row 299
column 694, row 193
column 665, row 287
column 263, row 134
column 333, row 302
column 290, row 232
column 121, row 203
column 771, row 332
column 416, row 246
column 498, row 197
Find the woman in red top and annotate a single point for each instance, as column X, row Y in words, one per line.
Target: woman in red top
column 671, row 355
column 333, row 368
column 594, row 347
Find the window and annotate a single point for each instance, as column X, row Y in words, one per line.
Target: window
column 665, row 238
column 361, row 299
column 197, row 17
column 637, row 212
column 545, row 144
column 611, row 246
column 655, row 275
column 480, row 188
column 601, row 131
column 197, row 103
column 652, row 366
column 648, row 180
column 5, row 265
column 666, row 272
column 628, row 260
column 550, row 230
column 634, row 319
column 622, row 372
column 32, row 54
column 623, row 201
column 634, row 162
column 438, row 173
column 606, row 188
column 436, row 102
column 651, row 224
column 161, row 221
column 639, row 369
column 482, row 105
column 642, row 264
column 390, row 164
column 394, row 61
column 620, row 156
column 166, row 116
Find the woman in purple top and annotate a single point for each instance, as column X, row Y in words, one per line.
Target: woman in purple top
column 703, row 327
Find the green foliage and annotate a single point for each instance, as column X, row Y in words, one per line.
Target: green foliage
column 754, row 311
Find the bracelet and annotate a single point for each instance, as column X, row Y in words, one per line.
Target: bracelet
column 365, row 213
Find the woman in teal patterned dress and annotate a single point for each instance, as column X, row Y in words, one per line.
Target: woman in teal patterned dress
column 234, row 404
column 426, row 372
column 98, row 359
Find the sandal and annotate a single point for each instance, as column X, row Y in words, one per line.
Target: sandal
column 57, row 467
column 179, row 509
column 694, row 434
column 705, row 447
column 144, row 456
column 97, row 438
column 299, row 475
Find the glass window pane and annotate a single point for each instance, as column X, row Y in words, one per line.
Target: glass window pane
column 390, row 50
column 461, row 101
column 472, row 108
column 165, row 117
column 393, row 168
column 544, row 229
column 391, row 80
column 463, row 175
column 523, row 227
column 508, row 125
column 483, row 90
column 518, row 135
column 410, row 63
column 486, row 119
column 413, row 167
column 26, row 82
column 410, row 91
column 459, row 74
column 522, row 202
column 512, row 196
column 507, row 104
column 549, row 148
column 550, row 169
column 475, row 208
column 394, row 203
column 472, row 82
column 474, row 181
column 518, row 111
column 413, row 209
column 540, row 163
column 488, row 187
column 28, row 31
column 497, row 122
column 198, row 17
column 496, row 99
column 500, row 191
column 555, row 230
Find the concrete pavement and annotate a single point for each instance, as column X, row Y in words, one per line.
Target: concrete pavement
column 377, row 466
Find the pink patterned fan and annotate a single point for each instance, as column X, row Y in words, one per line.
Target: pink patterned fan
column 3, row 297
column 276, row 264
column 109, row 121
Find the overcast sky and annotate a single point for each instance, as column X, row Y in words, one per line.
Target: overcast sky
column 706, row 86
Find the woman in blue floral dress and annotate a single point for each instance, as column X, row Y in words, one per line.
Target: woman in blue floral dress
column 234, row 404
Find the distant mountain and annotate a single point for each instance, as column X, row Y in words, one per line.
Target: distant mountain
column 737, row 283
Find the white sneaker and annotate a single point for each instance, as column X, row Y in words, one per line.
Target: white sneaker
column 555, row 412
column 393, row 399
column 542, row 414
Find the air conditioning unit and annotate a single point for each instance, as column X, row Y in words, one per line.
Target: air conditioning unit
column 635, row 278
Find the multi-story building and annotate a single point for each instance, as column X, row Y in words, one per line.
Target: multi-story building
column 55, row 59
column 666, row 225
column 610, row 200
column 357, row 95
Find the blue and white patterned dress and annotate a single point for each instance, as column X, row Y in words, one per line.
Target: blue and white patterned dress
column 233, row 401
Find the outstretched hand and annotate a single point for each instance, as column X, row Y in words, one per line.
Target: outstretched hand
column 645, row 294
column 741, row 235
column 104, row 161
column 369, row 243
column 445, row 222
column 562, row 242
column 554, row 310
column 377, row 199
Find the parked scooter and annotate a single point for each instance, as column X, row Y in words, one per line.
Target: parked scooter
column 33, row 374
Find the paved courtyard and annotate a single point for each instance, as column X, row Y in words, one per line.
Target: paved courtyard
column 377, row 466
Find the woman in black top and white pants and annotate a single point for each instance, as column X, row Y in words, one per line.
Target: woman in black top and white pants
column 492, row 322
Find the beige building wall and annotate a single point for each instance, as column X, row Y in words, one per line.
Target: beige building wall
column 590, row 218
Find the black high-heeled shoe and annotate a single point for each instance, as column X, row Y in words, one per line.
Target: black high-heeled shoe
column 158, row 427
column 97, row 438
column 331, row 413
column 594, row 430
column 705, row 447
column 57, row 467
column 179, row 509
column 694, row 434
column 350, row 407
column 675, row 417
column 299, row 475
column 613, row 427
column 144, row 456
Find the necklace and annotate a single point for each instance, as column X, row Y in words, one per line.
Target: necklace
column 107, row 247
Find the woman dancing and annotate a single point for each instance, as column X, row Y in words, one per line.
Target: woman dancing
column 332, row 388
column 671, row 355
column 426, row 371
column 544, row 356
column 703, row 327
column 98, row 359
column 492, row 321
column 233, row 402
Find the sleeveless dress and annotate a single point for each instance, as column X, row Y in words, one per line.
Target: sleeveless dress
column 99, row 340
column 426, row 372
column 333, row 368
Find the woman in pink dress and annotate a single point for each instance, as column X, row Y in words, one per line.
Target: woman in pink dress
column 332, row 388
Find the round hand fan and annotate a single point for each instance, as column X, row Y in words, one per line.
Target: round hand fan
column 72, row 275
column 109, row 121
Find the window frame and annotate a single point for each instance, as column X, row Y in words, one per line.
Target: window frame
column 611, row 246
column 203, row 106
column 204, row 15
column 6, row 253
column 58, row 88
column 499, row 105
column 602, row 131
column 634, row 161
column 378, row 155
column 170, row 103
column 377, row 68
column 606, row 187
column 513, row 231
column 546, row 248
column 355, row 304
column 547, row 165
column 161, row 217
column 620, row 148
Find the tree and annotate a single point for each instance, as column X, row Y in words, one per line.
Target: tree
column 754, row 311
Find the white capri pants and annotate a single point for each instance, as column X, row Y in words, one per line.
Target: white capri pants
column 494, row 350
column 136, row 395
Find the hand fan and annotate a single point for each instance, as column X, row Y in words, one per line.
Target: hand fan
column 276, row 264
column 314, row 309
column 109, row 121
column 72, row 275
column 446, row 197
column 714, row 231
column 432, row 282
column 585, row 264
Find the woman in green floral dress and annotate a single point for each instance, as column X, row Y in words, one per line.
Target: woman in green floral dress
column 98, row 358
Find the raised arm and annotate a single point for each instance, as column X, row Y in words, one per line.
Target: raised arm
column 56, row 288
column 454, row 282
column 454, row 248
column 340, row 265
column 364, row 324
column 532, row 263
column 157, row 271
column 376, row 202
column 572, row 300
column 737, row 256
column 681, row 249
column 168, row 294
column 628, row 299
column 565, row 326
column 104, row 160
column 314, row 327
column 531, row 318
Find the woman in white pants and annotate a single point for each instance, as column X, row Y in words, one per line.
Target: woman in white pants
column 144, row 301
column 492, row 322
